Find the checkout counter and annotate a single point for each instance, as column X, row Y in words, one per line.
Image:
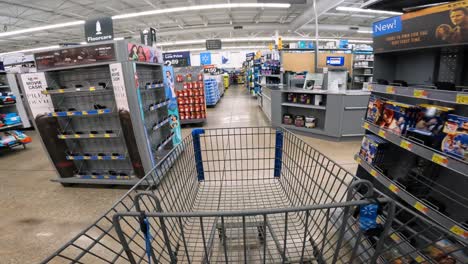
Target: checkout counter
column 325, row 105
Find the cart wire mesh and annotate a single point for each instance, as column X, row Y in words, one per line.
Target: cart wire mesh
column 255, row 195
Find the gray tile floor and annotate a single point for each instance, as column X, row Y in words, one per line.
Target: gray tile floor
column 37, row 216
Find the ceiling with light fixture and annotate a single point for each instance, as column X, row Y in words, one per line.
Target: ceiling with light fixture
column 177, row 21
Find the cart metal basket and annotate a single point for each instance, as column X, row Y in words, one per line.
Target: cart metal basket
column 257, row 195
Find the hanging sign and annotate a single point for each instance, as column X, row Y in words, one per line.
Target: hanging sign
column 177, row 59
column 213, row 44
column 205, row 58
column 100, row 29
column 431, row 27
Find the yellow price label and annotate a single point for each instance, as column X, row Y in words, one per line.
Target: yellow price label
column 86, row 157
column 440, row 159
column 358, row 160
column 62, row 136
column 369, row 87
column 366, row 126
column 92, row 88
column 382, row 134
column 421, row 207
column 373, row 173
column 419, row 259
column 99, row 158
column 54, row 114
column 462, row 98
column 395, row 237
column 61, row 90
column 106, row 177
column 390, row 89
column 94, row 177
column 84, row 112
column 106, row 135
column 406, row 145
column 418, row 93
column 114, row 157
column 70, row 157
column 393, row 188
column 77, row 136
column 459, row 231
column 91, row 135
column 100, row 111
column 44, row 92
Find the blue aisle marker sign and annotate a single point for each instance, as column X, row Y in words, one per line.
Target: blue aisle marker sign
column 205, row 58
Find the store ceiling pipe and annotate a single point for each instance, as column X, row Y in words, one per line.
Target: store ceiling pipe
column 257, row 27
column 307, row 16
column 343, row 28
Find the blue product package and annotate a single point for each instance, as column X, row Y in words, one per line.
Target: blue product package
column 11, row 119
column 368, row 217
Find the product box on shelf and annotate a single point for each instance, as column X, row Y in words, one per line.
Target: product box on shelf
column 395, row 117
column 455, row 142
column 287, row 119
column 372, row 149
column 310, row 122
column 375, row 109
column 299, row 121
column 9, row 119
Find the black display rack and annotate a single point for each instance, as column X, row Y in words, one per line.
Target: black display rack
column 411, row 166
column 102, row 117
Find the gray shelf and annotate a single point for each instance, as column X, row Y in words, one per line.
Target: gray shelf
column 270, row 75
column 363, row 60
column 430, row 154
column 77, row 90
column 422, row 93
column 192, row 121
column 416, row 203
column 7, row 105
column 304, row 129
column 363, row 67
column 361, row 74
column 78, row 180
column 8, row 127
column 4, row 86
column 318, row 107
column 271, row 84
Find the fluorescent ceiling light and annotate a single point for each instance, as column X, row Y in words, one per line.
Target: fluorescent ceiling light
column 31, row 50
column 153, row 12
column 34, row 29
column 356, row 9
column 202, row 7
column 365, row 31
column 84, row 42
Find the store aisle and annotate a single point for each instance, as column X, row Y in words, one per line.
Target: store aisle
column 38, row 216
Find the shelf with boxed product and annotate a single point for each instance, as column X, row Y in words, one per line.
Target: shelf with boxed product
column 271, row 75
column 9, row 127
column 421, row 93
column 422, row 207
column 154, row 107
column 419, row 149
column 7, row 105
column 429, row 131
column 154, row 85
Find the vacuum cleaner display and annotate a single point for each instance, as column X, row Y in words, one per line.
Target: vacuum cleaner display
column 106, row 123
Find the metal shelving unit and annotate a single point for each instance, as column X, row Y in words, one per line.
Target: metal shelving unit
column 105, row 118
column 320, row 107
column 363, row 66
column 421, row 93
column 418, row 204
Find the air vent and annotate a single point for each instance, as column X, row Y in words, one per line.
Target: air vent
column 354, row 28
column 238, row 27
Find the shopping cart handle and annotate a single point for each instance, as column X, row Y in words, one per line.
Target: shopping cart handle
column 198, row 131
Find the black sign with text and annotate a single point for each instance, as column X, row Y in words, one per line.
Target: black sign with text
column 213, row 44
column 100, row 29
column 431, row 27
column 75, row 56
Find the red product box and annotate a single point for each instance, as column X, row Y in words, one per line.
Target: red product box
column 185, row 85
column 194, row 85
column 191, row 100
column 197, row 108
column 185, row 94
column 189, row 85
column 200, row 77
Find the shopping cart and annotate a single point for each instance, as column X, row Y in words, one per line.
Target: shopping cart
column 256, row 195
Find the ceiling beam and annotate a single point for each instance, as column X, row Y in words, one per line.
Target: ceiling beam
column 308, row 15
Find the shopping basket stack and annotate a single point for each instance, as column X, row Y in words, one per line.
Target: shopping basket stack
column 211, row 92
column 257, row 195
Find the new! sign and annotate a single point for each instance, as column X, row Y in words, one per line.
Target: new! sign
column 387, row 26
column 100, row 29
